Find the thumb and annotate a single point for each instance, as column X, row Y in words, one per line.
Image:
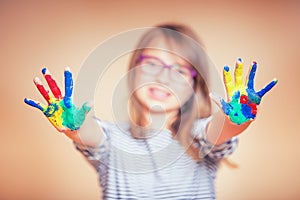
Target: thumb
column 87, row 106
column 217, row 99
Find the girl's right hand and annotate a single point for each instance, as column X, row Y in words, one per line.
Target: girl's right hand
column 60, row 111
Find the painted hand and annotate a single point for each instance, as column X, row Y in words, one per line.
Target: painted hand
column 242, row 98
column 60, row 110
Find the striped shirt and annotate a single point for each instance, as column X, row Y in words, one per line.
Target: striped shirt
column 157, row 167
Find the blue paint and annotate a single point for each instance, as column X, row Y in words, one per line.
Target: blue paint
column 238, row 113
column 226, row 107
column 68, row 102
column 237, row 95
column 240, row 60
column 52, row 108
column 252, row 75
column 266, row 89
column 226, row 68
column 44, row 70
column 247, row 111
column 68, row 89
column 33, row 104
column 253, row 96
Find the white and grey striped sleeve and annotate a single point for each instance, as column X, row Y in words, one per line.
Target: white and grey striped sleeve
column 207, row 149
column 98, row 154
column 217, row 152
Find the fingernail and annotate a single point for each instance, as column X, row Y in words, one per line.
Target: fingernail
column 226, row 68
column 44, row 70
column 68, row 72
column 36, row 80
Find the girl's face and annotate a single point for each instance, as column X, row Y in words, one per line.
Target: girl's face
column 164, row 81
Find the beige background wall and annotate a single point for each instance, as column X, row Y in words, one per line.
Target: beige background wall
column 38, row 163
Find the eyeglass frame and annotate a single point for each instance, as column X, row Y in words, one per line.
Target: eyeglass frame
column 193, row 72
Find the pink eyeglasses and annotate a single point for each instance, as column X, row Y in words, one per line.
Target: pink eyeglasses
column 154, row 66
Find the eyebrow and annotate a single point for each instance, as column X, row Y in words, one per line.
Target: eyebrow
column 157, row 58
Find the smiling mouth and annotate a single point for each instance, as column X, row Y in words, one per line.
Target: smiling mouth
column 159, row 94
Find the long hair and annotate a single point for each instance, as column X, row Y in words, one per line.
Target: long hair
column 184, row 42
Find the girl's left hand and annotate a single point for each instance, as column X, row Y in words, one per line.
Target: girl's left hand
column 242, row 98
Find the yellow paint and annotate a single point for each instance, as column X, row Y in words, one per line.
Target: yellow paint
column 237, row 85
column 56, row 119
column 238, row 74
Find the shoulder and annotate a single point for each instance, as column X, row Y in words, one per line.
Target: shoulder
column 109, row 126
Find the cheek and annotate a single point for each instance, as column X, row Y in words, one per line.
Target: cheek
column 184, row 92
column 142, row 78
column 140, row 93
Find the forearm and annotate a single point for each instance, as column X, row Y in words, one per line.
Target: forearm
column 221, row 129
column 241, row 107
column 90, row 133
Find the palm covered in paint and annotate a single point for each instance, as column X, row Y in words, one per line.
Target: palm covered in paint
column 60, row 110
column 242, row 98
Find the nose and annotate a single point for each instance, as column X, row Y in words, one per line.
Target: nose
column 164, row 76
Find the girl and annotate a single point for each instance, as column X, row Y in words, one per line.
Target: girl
column 172, row 145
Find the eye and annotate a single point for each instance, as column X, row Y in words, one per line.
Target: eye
column 181, row 70
column 152, row 62
column 151, row 66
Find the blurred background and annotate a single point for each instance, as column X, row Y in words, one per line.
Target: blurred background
column 39, row 163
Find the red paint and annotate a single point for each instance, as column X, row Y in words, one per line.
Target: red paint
column 244, row 100
column 53, row 86
column 254, row 108
column 43, row 91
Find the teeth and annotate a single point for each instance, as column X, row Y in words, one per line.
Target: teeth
column 159, row 93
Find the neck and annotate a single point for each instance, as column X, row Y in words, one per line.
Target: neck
column 160, row 120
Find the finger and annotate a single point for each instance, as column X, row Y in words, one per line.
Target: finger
column 266, row 89
column 228, row 81
column 226, row 107
column 216, row 98
column 78, row 117
column 82, row 112
column 89, row 104
column 35, row 104
column 251, row 75
column 236, row 96
column 68, row 88
column 86, row 107
column 42, row 89
column 52, row 84
column 223, row 105
column 238, row 73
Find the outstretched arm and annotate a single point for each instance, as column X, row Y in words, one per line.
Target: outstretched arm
column 240, row 110
column 62, row 113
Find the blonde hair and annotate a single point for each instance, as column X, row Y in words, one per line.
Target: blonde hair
column 184, row 42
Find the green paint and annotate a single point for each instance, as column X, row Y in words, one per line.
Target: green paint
column 73, row 117
column 236, row 114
